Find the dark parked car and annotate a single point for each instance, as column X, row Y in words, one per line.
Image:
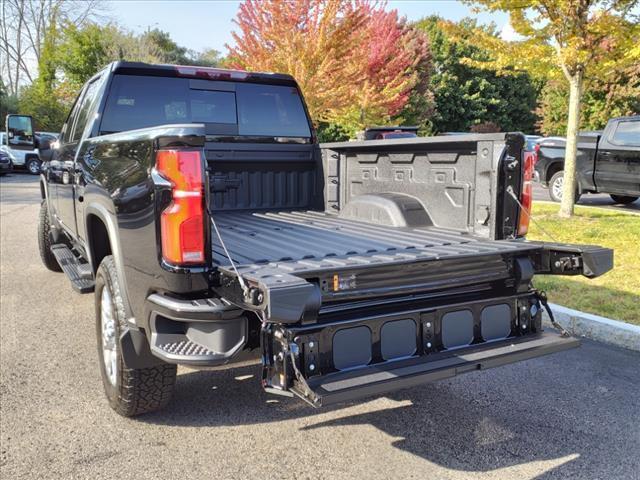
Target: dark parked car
column 387, row 133
column 212, row 228
column 608, row 162
column 6, row 165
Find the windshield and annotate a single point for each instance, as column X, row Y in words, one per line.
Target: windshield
column 227, row 108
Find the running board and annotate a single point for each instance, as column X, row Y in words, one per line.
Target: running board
column 377, row 380
column 79, row 273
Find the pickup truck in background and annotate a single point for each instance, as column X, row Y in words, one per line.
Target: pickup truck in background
column 608, row 162
column 212, row 227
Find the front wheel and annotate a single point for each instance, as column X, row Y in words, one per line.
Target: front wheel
column 33, row 166
column 556, row 185
column 623, row 199
column 130, row 391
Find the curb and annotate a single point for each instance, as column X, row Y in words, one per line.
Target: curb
column 597, row 328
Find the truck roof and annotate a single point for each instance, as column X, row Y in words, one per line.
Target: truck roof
column 206, row 73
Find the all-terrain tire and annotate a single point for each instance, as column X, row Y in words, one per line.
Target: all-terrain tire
column 135, row 390
column 44, row 240
column 623, row 199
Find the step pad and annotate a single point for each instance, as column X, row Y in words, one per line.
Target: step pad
column 78, row 273
column 186, row 347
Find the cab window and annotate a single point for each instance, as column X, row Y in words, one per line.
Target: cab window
column 627, row 133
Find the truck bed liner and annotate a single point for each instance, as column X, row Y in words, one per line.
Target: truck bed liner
column 313, row 240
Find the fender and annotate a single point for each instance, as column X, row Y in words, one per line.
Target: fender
column 107, row 218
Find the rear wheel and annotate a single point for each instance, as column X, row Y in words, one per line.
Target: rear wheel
column 44, row 240
column 623, row 199
column 33, row 166
column 556, row 185
column 130, row 391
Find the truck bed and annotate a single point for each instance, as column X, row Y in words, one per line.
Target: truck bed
column 313, row 240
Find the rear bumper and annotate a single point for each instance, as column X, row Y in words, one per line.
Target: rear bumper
column 6, row 167
column 205, row 332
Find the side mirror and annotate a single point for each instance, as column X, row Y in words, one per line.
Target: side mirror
column 20, row 132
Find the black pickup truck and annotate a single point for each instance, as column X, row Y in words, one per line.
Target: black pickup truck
column 213, row 228
column 608, row 162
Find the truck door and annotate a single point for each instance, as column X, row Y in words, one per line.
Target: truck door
column 618, row 159
column 65, row 169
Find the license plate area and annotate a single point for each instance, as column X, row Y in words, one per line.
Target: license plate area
column 361, row 343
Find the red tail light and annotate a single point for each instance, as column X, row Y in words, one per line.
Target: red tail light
column 182, row 222
column 526, row 198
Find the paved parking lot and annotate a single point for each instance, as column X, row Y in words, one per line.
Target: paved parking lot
column 571, row 415
column 588, row 200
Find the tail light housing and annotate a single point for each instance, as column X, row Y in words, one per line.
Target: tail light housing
column 526, row 197
column 182, row 222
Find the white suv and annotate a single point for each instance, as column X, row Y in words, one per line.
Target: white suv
column 28, row 159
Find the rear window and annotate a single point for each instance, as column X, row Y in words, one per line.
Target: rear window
column 245, row 109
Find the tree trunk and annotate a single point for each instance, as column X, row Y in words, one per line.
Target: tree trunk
column 573, row 124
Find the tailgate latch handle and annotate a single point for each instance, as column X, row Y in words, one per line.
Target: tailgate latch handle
column 565, row 264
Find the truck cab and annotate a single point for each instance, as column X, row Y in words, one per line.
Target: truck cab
column 212, row 228
column 608, row 161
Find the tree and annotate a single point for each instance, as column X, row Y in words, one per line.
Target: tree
column 84, row 51
column 8, row 104
column 392, row 54
column 351, row 59
column 603, row 98
column 465, row 95
column 578, row 39
column 42, row 99
column 23, row 27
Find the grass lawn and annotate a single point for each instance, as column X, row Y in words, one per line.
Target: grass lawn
column 616, row 294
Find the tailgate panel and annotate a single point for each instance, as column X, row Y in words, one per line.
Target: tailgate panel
column 349, row 386
column 341, row 359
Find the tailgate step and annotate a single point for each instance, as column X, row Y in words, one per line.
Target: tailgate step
column 79, row 273
column 376, row 380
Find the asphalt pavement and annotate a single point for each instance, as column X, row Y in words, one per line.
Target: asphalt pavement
column 588, row 199
column 574, row 414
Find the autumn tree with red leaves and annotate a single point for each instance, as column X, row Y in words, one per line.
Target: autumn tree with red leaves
column 355, row 62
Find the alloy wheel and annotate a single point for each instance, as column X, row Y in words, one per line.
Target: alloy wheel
column 109, row 343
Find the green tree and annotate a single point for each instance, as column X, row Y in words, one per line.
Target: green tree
column 465, row 95
column 576, row 39
column 603, row 98
column 84, row 51
column 41, row 99
column 8, row 104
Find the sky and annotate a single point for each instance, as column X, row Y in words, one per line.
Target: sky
column 203, row 24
